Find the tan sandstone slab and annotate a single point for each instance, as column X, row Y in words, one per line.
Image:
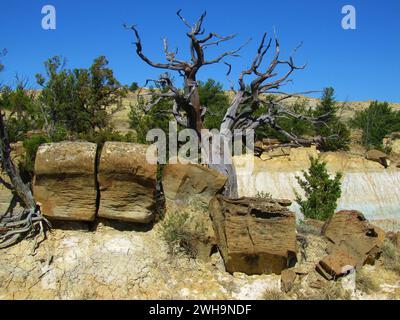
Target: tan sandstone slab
column 255, row 236
column 183, row 183
column 64, row 182
column 127, row 183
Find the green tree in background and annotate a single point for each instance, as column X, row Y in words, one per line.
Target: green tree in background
column 298, row 127
column 214, row 98
column 332, row 128
column 321, row 191
column 22, row 111
column 157, row 117
column 377, row 121
column 79, row 100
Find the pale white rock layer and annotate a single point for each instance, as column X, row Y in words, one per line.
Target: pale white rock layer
column 366, row 185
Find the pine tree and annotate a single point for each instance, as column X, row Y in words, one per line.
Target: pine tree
column 336, row 132
column 321, row 191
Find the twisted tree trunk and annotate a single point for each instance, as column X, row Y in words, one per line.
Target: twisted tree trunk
column 30, row 220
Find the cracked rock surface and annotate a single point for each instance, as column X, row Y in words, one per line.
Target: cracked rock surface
column 118, row 263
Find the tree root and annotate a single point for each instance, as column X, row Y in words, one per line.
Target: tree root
column 26, row 224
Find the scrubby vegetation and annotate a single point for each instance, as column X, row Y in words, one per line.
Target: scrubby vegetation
column 263, row 195
column 365, row 282
column 333, row 129
column 391, row 256
column 174, row 232
column 321, row 191
column 377, row 121
column 329, row 291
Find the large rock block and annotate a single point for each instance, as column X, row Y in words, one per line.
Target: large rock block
column 127, row 183
column 255, row 236
column 183, row 183
column 65, row 183
column 354, row 242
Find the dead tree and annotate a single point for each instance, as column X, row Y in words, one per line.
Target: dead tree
column 248, row 99
column 29, row 222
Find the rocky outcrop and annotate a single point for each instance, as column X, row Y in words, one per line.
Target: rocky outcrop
column 183, row 183
column 378, row 156
column 127, row 183
column 354, row 243
column 392, row 142
column 64, row 182
column 366, row 185
column 254, row 236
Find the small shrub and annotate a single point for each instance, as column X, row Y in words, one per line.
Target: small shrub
column 391, row 256
column 321, row 192
column 31, row 145
column 263, row 195
column 175, row 233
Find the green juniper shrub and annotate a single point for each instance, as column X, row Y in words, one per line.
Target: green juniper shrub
column 214, row 98
column 22, row 111
column 335, row 132
column 321, row 191
column 298, row 127
column 134, row 87
column 31, row 145
column 377, row 121
column 82, row 100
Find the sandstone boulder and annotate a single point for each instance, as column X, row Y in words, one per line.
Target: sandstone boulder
column 254, row 236
column 393, row 142
column 378, row 156
column 354, row 242
column 64, row 183
column 337, row 264
column 127, row 183
column 183, row 183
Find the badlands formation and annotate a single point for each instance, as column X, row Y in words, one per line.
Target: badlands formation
column 108, row 239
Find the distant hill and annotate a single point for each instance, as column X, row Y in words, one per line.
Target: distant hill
column 348, row 108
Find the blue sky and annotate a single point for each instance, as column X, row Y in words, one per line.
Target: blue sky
column 361, row 64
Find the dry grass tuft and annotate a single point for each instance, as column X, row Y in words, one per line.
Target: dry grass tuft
column 274, row 294
column 391, row 256
column 365, row 282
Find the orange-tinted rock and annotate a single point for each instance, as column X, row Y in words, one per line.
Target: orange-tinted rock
column 354, row 242
column 337, row 264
